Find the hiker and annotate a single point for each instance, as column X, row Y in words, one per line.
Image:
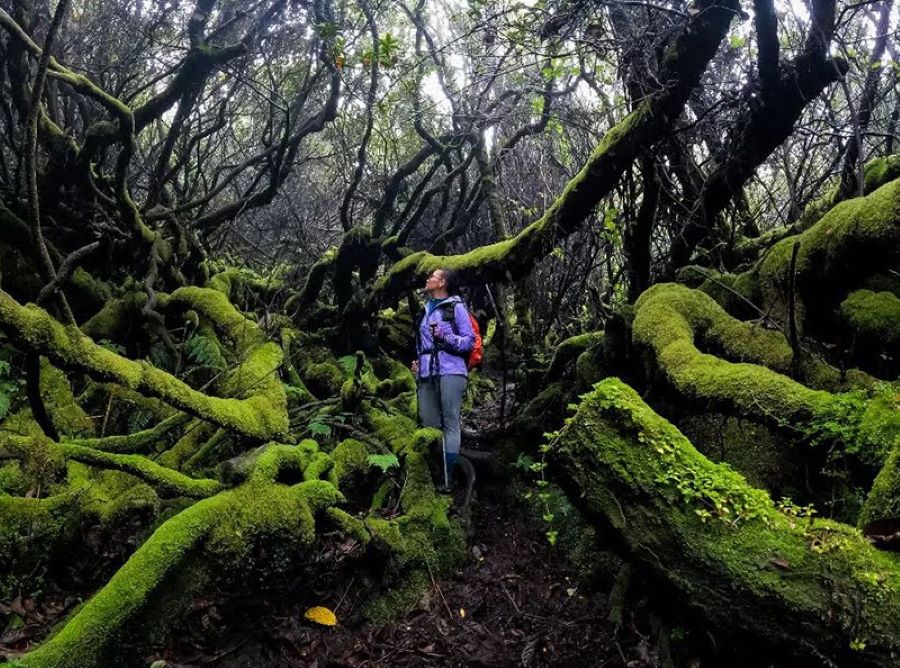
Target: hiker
column 445, row 339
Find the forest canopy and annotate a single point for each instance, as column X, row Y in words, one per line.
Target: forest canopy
column 676, row 223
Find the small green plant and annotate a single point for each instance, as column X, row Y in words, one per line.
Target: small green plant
column 320, row 429
column 204, row 351
column 384, row 462
column 348, row 364
column 537, row 469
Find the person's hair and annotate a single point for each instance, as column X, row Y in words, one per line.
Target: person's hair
column 449, row 277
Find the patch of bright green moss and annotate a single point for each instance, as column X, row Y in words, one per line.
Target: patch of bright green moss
column 856, row 239
column 261, row 415
column 874, row 315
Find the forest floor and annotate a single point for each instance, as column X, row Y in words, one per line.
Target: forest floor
column 516, row 602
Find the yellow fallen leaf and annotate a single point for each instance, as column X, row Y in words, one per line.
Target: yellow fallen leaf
column 321, row 615
column 462, row 613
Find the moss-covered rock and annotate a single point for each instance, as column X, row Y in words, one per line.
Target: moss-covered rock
column 874, row 316
column 323, row 379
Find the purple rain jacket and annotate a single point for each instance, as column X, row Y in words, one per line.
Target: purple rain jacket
column 449, row 364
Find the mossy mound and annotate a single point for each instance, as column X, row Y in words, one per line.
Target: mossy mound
column 875, row 317
column 855, row 240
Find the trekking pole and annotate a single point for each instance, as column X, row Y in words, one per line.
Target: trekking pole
column 436, row 380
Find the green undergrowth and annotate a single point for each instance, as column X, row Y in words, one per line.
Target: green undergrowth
column 229, row 527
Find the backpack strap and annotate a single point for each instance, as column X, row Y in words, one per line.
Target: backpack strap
column 448, row 312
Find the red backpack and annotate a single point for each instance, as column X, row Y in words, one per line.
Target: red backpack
column 477, row 353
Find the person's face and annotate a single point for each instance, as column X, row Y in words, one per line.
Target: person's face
column 435, row 281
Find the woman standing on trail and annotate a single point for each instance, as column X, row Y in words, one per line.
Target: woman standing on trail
column 444, row 340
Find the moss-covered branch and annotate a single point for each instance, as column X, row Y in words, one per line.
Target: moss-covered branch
column 782, row 582
column 261, row 415
column 165, row 481
column 139, row 441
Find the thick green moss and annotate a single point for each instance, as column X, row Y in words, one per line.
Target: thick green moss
column 422, row 538
column 883, row 502
column 671, row 320
column 195, row 434
column 879, row 171
column 856, row 239
column 323, row 379
column 543, row 412
column 166, row 481
column 569, row 350
column 111, row 497
column 875, row 316
column 731, row 291
column 139, row 442
column 350, row 457
column 228, row 527
column 262, row 415
column 67, row 416
column 114, row 317
column 722, row 544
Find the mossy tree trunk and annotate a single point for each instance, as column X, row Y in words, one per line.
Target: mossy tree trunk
column 798, row 587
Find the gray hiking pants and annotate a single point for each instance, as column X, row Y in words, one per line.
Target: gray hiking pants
column 452, row 390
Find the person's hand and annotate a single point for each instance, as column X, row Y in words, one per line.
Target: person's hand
column 414, row 367
column 442, row 331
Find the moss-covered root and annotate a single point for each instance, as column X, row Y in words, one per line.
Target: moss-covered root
column 262, row 414
column 672, row 320
column 670, row 315
column 165, row 481
column 756, row 574
column 95, row 629
column 226, row 528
